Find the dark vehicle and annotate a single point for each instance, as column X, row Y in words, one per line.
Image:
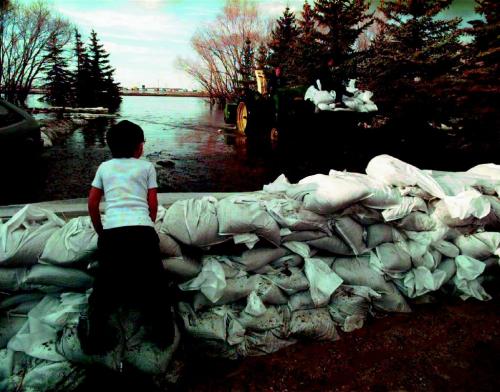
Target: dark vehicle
column 19, row 131
column 284, row 113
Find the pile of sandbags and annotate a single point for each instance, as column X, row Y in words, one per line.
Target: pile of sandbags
column 255, row 271
column 300, row 260
column 356, row 101
column 44, row 288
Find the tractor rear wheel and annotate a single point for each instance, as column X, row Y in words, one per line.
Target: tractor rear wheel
column 242, row 118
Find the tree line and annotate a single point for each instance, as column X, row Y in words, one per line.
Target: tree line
column 419, row 64
column 43, row 49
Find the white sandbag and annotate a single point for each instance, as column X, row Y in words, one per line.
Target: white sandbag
column 288, row 261
column 11, row 278
column 313, row 324
column 351, row 232
column 262, row 343
column 273, row 317
column 38, row 336
column 290, row 281
column 302, row 236
column 440, row 213
column 471, row 289
column 6, row 364
column 269, row 292
column 249, row 239
column 290, row 214
column 300, row 248
column 392, row 171
column 13, row 301
column 486, row 169
column 147, row 357
column 467, row 204
column 391, row 259
column 211, row 281
column 382, row 196
column 322, row 280
column 379, row 233
column 210, row 324
column 255, row 307
column 468, row 268
column 449, row 267
column 254, row 259
column 446, row 248
column 9, row 327
column 332, row 244
column 235, row 290
column 419, row 281
column 193, row 222
column 183, row 267
column 365, row 216
column 76, row 241
column 333, row 193
column 168, row 246
column 350, row 305
column 51, row 275
column 280, row 185
column 24, row 235
column 406, row 206
column 430, row 260
column 246, row 214
column 301, row 301
column 479, row 245
column 356, row 271
column 417, row 221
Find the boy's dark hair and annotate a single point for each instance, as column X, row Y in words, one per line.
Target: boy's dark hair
column 123, row 139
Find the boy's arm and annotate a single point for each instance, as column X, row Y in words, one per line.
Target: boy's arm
column 153, row 203
column 95, row 196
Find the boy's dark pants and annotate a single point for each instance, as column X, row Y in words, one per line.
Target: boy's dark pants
column 130, row 273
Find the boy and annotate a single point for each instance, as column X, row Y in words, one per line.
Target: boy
column 130, row 269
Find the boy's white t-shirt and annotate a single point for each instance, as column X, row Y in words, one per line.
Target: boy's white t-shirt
column 125, row 182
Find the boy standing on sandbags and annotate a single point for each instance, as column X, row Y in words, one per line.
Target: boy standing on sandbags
column 130, row 270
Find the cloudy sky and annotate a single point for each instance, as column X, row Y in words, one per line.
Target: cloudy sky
column 145, row 37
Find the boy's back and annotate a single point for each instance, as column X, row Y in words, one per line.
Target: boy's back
column 125, row 183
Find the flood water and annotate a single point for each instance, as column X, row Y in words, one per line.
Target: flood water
column 193, row 151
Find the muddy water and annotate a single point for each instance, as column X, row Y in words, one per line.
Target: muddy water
column 183, row 137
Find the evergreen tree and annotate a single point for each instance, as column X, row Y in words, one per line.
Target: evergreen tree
column 411, row 62
column 106, row 90
column 308, row 54
column 262, row 58
column 486, row 32
column 282, row 45
column 340, row 23
column 247, row 67
column 82, row 89
column 58, row 80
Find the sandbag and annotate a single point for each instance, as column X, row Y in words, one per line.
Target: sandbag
column 262, row 343
column 168, row 246
column 379, row 233
column 363, row 215
column 302, row 236
column 350, row 306
column 332, row 244
column 9, row 327
column 246, row 214
column 417, row 221
column 419, row 281
column 406, row 206
column 235, row 290
column 75, row 242
column 300, row 248
column 302, row 301
column 332, row 194
column 479, row 245
column 290, row 281
column 272, row 318
column 446, row 248
column 211, row 281
column 269, row 292
column 210, row 324
column 193, row 222
column 290, row 214
column 322, row 280
column 313, row 324
column 254, row 259
column 449, row 267
column 382, row 196
column 24, row 235
column 351, row 232
column 183, row 267
column 357, row 271
column 391, row 259
column 288, row 261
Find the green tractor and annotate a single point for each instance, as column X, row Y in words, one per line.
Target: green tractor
column 274, row 117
